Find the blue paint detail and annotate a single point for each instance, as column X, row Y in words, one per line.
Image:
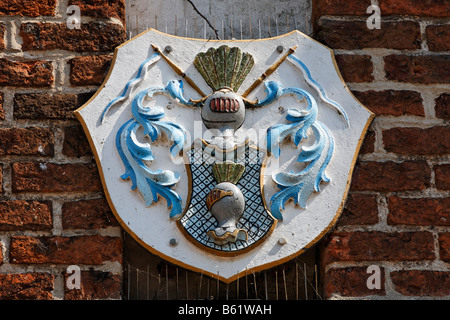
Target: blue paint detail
column 279, row 199
column 149, row 117
column 135, row 154
column 317, row 86
column 317, row 156
column 130, row 84
column 175, row 89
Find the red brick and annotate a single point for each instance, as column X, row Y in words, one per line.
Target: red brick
column 391, row 176
column 2, row 36
column 444, row 246
column 28, row 73
column 417, row 141
column 360, row 209
column 379, row 246
column 2, row 113
column 52, row 177
column 27, row 142
column 355, row 68
column 89, row 70
column 419, row 211
column 95, row 285
column 443, row 106
column 418, row 69
column 92, row 250
column 392, row 102
column 1, row 178
column 26, row 286
column 48, row 106
column 25, row 215
column 421, row 282
column 351, row 282
column 426, row 8
column 442, row 176
column 101, row 8
column 351, row 35
column 438, row 37
column 91, row 37
column 368, row 145
column 87, row 214
column 29, row 8
column 75, row 142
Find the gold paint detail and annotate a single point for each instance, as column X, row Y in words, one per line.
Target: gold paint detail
column 178, row 70
column 215, row 195
column 268, row 72
column 238, row 234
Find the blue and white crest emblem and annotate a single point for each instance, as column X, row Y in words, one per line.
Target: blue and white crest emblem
column 225, row 156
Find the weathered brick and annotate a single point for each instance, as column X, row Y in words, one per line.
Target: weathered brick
column 52, row 177
column 31, row 141
column 25, row 215
column 2, row 36
column 418, row 69
column 351, row 35
column 29, row 8
column 355, row 68
column 426, row 8
column 2, row 113
column 421, row 282
column 28, row 73
column 95, row 285
column 392, row 102
column 417, row 141
column 419, row 211
column 89, row 70
column 75, row 142
column 368, row 145
column 379, row 246
column 351, row 282
column 442, row 176
column 87, row 214
column 444, row 246
column 360, row 209
column 1, row 178
column 91, row 37
column 442, row 108
column 438, row 37
column 48, row 106
column 26, row 286
column 391, row 176
column 101, row 8
column 93, row 250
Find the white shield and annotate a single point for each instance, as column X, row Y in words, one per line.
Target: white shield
column 146, row 119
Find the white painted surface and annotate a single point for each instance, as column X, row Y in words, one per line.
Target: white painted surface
column 152, row 225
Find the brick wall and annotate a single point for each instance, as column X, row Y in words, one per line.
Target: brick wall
column 52, row 210
column 397, row 216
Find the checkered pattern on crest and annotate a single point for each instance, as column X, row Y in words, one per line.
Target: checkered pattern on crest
column 197, row 220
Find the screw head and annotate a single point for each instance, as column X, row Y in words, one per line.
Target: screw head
column 280, row 48
column 173, row 242
column 282, row 241
column 168, row 49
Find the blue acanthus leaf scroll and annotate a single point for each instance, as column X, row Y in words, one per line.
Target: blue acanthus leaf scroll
column 315, row 85
column 298, row 185
column 135, row 154
column 142, row 72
